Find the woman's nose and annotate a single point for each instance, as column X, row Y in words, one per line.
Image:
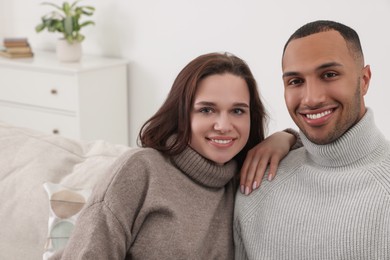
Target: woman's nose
column 223, row 123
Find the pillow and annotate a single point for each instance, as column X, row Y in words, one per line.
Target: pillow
column 30, row 158
column 65, row 204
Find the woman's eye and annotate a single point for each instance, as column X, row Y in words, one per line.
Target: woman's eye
column 238, row 111
column 206, row 110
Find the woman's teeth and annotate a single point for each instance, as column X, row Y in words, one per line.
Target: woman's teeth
column 221, row 141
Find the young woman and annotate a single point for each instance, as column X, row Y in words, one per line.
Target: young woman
column 174, row 198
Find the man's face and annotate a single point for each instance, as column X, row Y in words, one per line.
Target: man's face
column 324, row 86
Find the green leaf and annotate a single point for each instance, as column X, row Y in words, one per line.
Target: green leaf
column 40, row 27
column 74, row 4
column 87, row 13
column 59, row 26
column 86, row 23
column 68, row 25
column 78, row 11
column 69, row 38
column 76, row 25
column 91, row 8
column 66, row 8
column 80, row 37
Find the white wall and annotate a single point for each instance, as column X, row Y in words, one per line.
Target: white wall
column 160, row 37
column 2, row 17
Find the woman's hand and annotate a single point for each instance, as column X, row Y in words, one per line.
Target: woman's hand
column 270, row 151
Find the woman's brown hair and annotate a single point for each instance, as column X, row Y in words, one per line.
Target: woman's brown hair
column 173, row 117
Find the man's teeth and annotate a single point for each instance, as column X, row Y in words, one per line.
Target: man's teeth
column 319, row 115
column 221, row 141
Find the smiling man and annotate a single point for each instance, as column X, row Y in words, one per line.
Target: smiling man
column 325, row 82
column 330, row 198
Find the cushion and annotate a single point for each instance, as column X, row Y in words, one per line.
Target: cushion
column 65, row 204
column 28, row 159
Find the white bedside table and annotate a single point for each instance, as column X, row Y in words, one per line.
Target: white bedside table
column 85, row 100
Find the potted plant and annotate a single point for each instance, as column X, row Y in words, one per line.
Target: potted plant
column 66, row 20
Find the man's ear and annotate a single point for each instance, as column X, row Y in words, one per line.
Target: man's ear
column 365, row 79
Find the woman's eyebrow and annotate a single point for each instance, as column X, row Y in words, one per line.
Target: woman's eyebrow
column 240, row 104
column 208, row 103
column 205, row 103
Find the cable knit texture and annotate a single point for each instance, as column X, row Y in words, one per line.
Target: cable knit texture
column 326, row 202
column 154, row 207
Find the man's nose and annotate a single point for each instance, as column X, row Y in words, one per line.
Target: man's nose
column 314, row 93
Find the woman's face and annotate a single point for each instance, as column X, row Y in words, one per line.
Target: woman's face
column 220, row 117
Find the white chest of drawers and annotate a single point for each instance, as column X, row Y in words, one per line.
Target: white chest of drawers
column 85, row 100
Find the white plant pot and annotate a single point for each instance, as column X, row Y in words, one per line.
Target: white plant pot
column 68, row 52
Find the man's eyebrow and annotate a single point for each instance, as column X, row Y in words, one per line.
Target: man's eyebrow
column 329, row 64
column 321, row 67
column 290, row 74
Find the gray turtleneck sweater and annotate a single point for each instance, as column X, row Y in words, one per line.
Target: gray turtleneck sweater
column 154, row 207
column 326, row 202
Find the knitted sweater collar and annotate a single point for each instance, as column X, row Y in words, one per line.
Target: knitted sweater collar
column 359, row 146
column 203, row 171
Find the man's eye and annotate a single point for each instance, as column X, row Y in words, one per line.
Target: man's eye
column 295, row 81
column 329, row 75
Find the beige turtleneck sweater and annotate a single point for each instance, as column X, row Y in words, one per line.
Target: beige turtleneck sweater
column 154, row 207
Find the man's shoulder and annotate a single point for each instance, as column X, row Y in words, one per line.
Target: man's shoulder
column 246, row 206
column 293, row 159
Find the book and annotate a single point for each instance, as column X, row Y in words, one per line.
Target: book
column 17, row 47
column 15, row 39
column 15, row 55
column 15, row 42
column 21, row 49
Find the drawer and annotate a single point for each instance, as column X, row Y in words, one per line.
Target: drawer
column 51, row 90
column 42, row 120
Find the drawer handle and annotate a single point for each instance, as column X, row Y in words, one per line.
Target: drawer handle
column 56, row 131
column 54, row 91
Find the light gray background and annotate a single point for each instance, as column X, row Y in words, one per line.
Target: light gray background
column 160, row 37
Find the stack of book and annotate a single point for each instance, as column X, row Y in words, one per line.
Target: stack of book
column 16, row 48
